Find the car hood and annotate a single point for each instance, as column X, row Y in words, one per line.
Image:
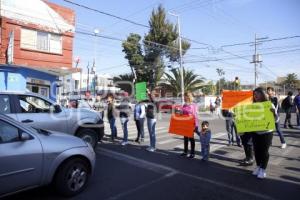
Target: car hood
column 59, row 142
column 84, row 112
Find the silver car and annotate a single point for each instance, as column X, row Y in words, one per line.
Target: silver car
column 41, row 112
column 34, row 157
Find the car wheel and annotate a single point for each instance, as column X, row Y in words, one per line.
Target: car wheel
column 89, row 135
column 72, row 177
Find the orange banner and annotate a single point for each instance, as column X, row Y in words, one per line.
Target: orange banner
column 182, row 125
column 232, row 98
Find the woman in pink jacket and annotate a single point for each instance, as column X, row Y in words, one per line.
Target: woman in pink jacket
column 190, row 108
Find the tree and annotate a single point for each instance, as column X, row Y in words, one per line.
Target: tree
column 220, row 72
column 124, row 81
column 134, row 54
column 291, row 81
column 159, row 43
column 192, row 82
column 209, row 88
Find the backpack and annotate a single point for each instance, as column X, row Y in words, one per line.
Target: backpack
column 285, row 103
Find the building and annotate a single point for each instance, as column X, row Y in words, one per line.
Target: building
column 82, row 85
column 36, row 45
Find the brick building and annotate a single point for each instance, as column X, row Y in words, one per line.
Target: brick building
column 36, row 45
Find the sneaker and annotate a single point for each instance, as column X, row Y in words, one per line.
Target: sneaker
column 247, row 162
column 261, row 174
column 183, row 154
column 142, row 139
column 256, row 171
column 192, row 156
column 124, row 143
column 151, row 149
column 239, row 145
column 283, row 146
column 290, row 126
column 137, row 140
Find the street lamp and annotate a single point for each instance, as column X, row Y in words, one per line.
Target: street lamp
column 180, row 57
column 96, row 32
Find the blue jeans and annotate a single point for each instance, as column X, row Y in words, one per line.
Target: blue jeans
column 140, row 128
column 151, row 128
column 278, row 130
column 237, row 137
column 205, row 139
column 113, row 128
column 124, row 122
column 298, row 115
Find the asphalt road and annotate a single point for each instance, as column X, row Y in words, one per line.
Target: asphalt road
column 131, row 172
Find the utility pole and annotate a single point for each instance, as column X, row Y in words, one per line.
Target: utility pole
column 256, row 58
column 180, row 57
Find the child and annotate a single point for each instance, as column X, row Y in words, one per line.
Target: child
column 205, row 135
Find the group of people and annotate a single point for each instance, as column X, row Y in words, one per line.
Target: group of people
column 255, row 144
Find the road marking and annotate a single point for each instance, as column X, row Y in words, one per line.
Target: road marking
column 286, row 151
column 170, row 140
column 168, row 172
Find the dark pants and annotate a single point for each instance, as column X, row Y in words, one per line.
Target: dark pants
column 140, row 128
column 288, row 117
column 280, row 134
column 237, row 137
column 248, row 146
column 261, row 144
column 186, row 142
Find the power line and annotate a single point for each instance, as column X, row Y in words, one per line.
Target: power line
column 251, row 43
column 107, row 14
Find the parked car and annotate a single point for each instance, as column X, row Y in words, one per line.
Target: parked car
column 40, row 112
column 35, row 157
column 165, row 105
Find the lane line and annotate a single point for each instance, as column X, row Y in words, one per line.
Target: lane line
column 168, row 172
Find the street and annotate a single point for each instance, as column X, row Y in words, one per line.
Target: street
column 130, row 172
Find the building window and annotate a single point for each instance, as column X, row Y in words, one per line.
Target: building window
column 41, row 41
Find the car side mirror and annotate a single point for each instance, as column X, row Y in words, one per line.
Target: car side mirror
column 25, row 136
column 57, row 108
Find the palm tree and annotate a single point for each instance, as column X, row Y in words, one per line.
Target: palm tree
column 192, row 81
column 124, row 81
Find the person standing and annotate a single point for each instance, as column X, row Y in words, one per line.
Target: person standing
column 274, row 100
column 262, row 140
column 190, row 108
column 230, row 127
column 111, row 116
column 139, row 117
column 151, row 111
column 218, row 105
column 287, row 105
column 205, row 136
column 297, row 104
column 124, row 109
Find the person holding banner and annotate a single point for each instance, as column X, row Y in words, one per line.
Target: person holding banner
column 190, row 108
column 262, row 140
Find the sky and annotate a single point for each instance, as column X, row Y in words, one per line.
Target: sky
column 216, row 23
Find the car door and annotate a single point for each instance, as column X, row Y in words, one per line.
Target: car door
column 39, row 113
column 20, row 161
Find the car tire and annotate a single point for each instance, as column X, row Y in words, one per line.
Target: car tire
column 89, row 135
column 72, row 177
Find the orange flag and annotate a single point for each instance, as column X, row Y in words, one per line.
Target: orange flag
column 232, row 98
column 182, row 125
